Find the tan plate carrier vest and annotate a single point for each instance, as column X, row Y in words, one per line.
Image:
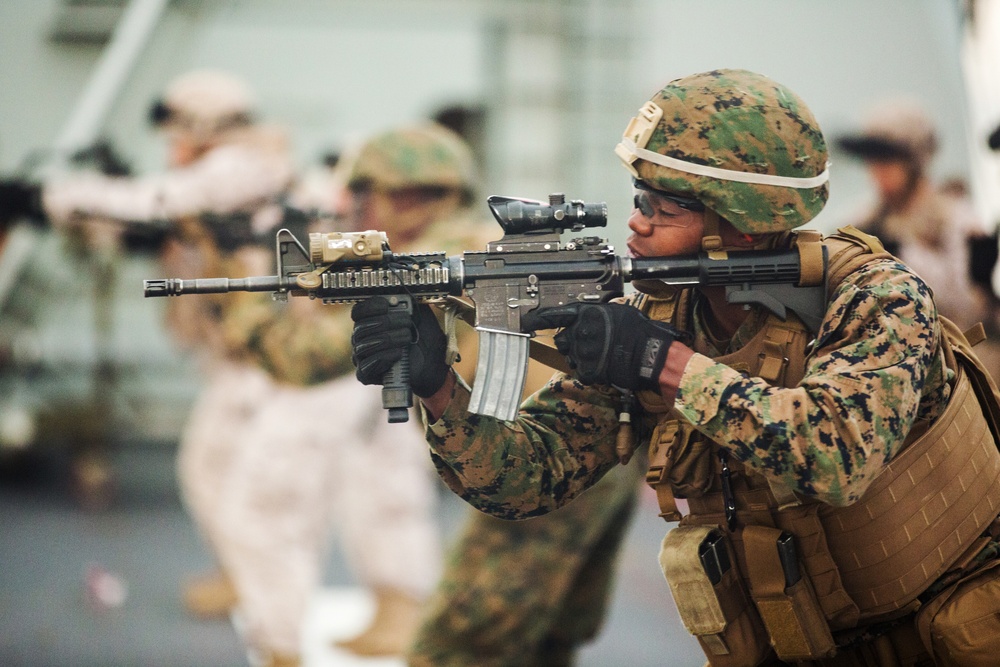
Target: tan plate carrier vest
column 867, row 562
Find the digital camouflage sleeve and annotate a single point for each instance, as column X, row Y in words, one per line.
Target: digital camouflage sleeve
column 877, row 366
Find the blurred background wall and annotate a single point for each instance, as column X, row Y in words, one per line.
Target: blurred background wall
column 557, row 79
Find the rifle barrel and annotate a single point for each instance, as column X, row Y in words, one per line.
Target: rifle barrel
column 179, row 286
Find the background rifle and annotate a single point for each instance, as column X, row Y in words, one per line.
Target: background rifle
column 528, row 268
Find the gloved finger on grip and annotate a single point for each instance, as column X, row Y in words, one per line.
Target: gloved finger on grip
column 555, row 317
column 374, row 356
column 563, row 343
column 593, row 332
column 390, row 330
column 372, row 370
column 424, row 320
column 389, row 346
column 372, row 307
column 380, row 335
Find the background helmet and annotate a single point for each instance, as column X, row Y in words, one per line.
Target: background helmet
column 744, row 145
column 897, row 129
column 426, row 155
column 204, row 103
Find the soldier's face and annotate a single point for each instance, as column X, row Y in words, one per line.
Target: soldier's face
column 891, row 177
column 375, row 208
column 662, row 228
column 183, row 149
column 402, row 212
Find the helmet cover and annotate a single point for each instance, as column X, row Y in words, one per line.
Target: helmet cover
column 744, row 145
column 425, row 155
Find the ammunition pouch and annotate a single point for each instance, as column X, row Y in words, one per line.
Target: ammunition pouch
column 712, row 600
column 786, row 599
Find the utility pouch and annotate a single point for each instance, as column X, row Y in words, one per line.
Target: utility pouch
column 786, row 599
column 700, row 567
column 961, row 625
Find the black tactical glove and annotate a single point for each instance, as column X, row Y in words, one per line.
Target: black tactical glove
column 608, row 343
column 20, row 200
column 380, row 335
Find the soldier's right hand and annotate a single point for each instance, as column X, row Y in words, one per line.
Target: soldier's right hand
column 608, row 343
column 381, row 333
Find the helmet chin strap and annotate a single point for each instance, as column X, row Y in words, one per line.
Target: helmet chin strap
column 711, row 240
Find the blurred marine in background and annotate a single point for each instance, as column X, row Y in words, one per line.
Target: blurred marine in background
column 208, row 213
column 321, row 449
column 927, row 226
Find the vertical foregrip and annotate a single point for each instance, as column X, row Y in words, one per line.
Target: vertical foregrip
column 397, row 397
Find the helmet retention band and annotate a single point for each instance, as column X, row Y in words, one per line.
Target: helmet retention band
column 628, row 147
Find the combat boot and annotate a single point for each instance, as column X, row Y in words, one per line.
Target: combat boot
column 397, row 616
column 210, row 596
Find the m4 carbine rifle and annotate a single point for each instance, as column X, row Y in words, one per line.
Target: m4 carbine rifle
column 529, row 268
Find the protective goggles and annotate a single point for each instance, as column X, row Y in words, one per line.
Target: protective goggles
column 641, row 199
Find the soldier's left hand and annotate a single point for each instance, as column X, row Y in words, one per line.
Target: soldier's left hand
column 20, row 199
column 381, row 333
column 608, row 343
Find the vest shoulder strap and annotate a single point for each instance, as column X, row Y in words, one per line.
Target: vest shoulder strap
column 958, row 350
column 848, row 250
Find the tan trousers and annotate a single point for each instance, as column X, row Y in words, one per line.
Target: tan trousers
column 268, row 483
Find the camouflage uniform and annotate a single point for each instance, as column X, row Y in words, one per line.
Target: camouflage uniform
column 528, row 592
column 751, row 152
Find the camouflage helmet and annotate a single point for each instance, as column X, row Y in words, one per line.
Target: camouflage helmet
column 425, row 155
column 745, row 146
column 896, row 129
column 204, row 103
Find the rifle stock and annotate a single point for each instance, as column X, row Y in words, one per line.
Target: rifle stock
column 528, row 268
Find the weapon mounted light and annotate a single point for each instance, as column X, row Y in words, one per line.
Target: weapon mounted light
column 336, row 247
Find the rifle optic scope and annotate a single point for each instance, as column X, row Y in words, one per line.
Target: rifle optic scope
column 527, row 216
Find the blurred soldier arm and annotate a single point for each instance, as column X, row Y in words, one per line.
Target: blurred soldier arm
column 227, row 179
column 301, row 343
